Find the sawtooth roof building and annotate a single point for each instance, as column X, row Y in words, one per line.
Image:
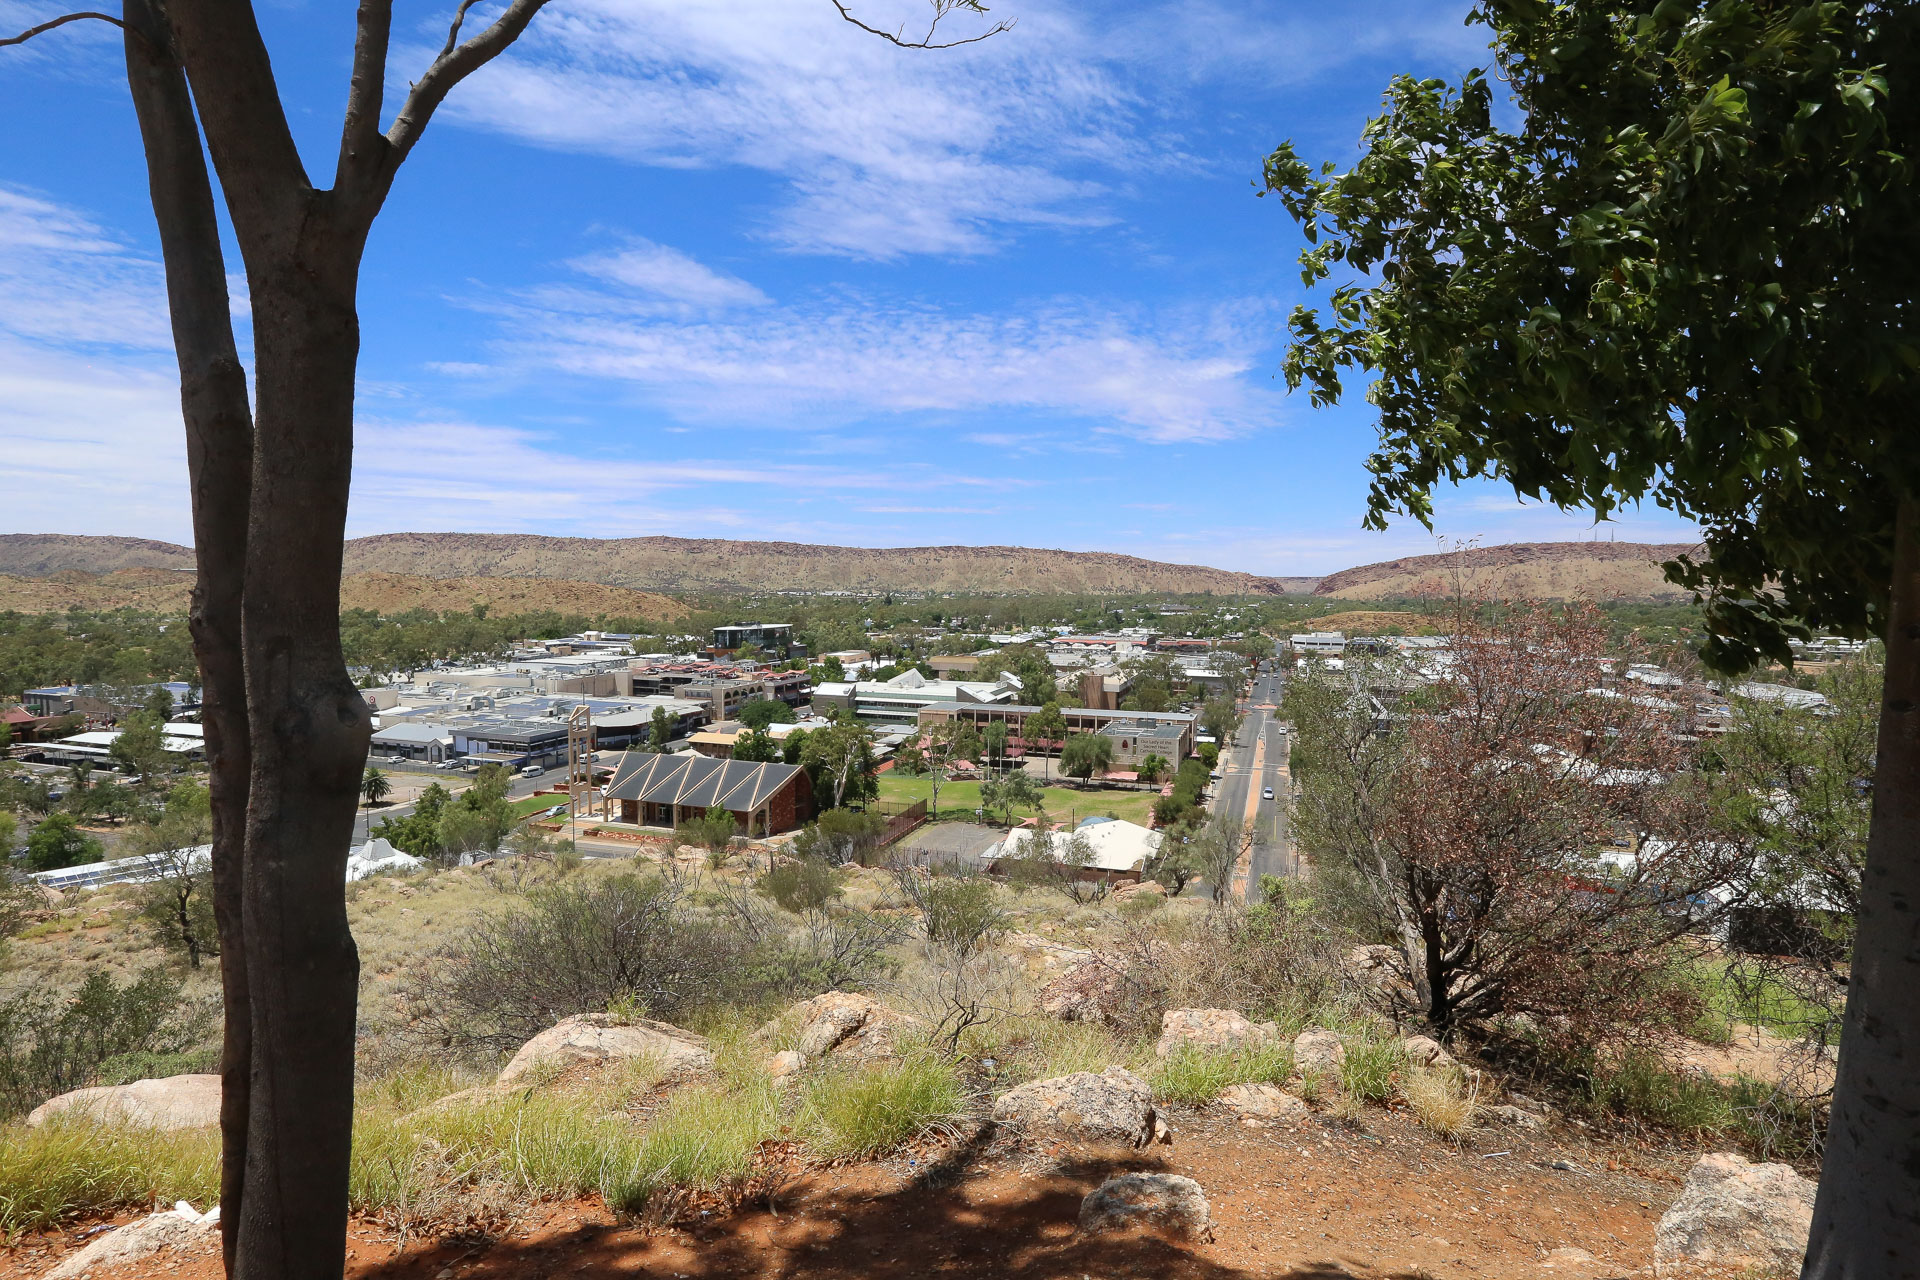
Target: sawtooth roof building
column 665, row 791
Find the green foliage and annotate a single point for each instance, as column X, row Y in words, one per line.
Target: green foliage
column 866, row 1112
column 119, row 648
column 71, row 1169
column 841, row 835
column 1086, row 754
column 58, row 842
column 713, row 830
column 1679, row 278
column 1197, row 1076
column 758, row 713
column 960, row 913
column 176, row 904
column 374, row 786
column 756, row 745
column 418, row 833
column 1152, row 768
column 831, row 671
column 52, row 1042
column 1008, row 791
column 1183, row 805
column 1368, row 1070
column 802, row 886
column 659, row 731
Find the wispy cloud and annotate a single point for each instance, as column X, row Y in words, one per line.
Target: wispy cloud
column 652, row 270
column 66, row 279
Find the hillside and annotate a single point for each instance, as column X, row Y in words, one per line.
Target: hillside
column 696, row 564
column 167, row 591
column 1538, row 570
column 40, row 555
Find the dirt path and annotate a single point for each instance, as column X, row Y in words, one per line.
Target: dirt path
column 1316, row 1200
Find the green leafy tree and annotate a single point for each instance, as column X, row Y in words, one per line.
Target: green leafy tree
column 58, row 842
column 1008, row 791
column 1152, row 768
column 756, row 745
column 138, row 748
column 1683, row 274
column 994, row 740
column 1086, row 754
column 1220, row 718
column 418, row 833
column 176, row 904
column 839, row 762
column 841, row 835
column 659, row 731
column 793, row 746
column 758, row 713
column 832, row 670
column 1044, row 725
column 374, row 786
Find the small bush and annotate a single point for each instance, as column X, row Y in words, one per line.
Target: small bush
column 1367, row 1072
column 51, row 1043
column 1639, row 1087
column 806, row 885
column 72, row 1168
column 1440, row 1102
column 959, row 912
column 868, row 1112
column 1198, row 1076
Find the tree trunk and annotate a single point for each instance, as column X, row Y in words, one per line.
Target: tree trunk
column 219, row 434
column 309, row 729
column 1866, row 1218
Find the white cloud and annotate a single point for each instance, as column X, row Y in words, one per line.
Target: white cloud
column 1163, row 377
column 668, row 274
column 65, row 279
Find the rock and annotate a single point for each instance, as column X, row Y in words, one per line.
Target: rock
column 1114, row 1107
column 1424, row 1051
column 178, row 1229
column 1517, row 1117
column 1318, row 1049
column 1568, row 1259
column 786, row 1063
column 1140, row 889
column 1091, row 991
column 1733, row 1213
column 1262, row 1101
column 588, row 1038
column 1165, row 1203
column 1380, row 972
column 175, row 1102
column 846, row 1025
column 1220, row 1029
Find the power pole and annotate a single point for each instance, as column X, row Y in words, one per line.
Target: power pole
column 579, row 766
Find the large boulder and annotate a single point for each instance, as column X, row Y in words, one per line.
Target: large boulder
column 589, row 1039
column 1091, row 991
column 1733, row 1213
column 175, row 1102
column 1318, row 1050
column 1164, row 1203
column 1262, row 1102
column 179, row 1230
column 1112, row 1108
column 1425, row 1051
column 844, row 1025
column 1216, row 1029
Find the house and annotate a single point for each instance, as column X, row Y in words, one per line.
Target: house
column 413, row 740
column 665, row 791
column 1119, row 850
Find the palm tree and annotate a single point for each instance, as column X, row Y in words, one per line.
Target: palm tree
column 374, row 786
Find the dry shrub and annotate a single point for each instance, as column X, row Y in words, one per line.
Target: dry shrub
column 1441, row 1102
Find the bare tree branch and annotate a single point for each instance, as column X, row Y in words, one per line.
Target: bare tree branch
column 941, row 8
column 60, row 21
column 455, row 63
column 360, row 140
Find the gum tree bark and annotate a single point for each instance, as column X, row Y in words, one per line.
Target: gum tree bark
column 1870, row 1180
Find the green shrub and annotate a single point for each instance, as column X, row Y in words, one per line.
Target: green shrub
column 867, row 1112
column 52, row 1042
column 802, row 886
column 1640, row 1087
column 959, row 912
column 73, row 1168
column 1198, row 1076
column 1367, row 1072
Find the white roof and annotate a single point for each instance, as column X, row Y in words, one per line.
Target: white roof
column 1116, row 844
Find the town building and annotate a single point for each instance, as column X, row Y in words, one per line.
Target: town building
column 1178, row 726
column 900, row 700
column 772, row 637
column 1324, row 644
column 1135, row 738
column 668, row 790
column 1118, row 850
column 105, row 702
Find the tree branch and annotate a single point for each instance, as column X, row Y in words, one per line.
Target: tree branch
column 941, row 8
column 60, row 21
column 360, row 140
column 456, row 62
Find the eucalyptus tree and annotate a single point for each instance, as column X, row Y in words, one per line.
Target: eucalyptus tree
column 268, row 470
column 1679, row 270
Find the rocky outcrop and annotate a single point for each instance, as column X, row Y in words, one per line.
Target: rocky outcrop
column 179, row 1230
column 589, row 1039
column 1164, row 1203
column 1262, row 1102
column 845, row 1025
column 786, row 1064
column 1318, row 1050
column 1733, row 1213
column 1139, row 889
column 175, row 1102
column 1518, row 1117
column 1425, row 1051
column 1221, row 1030
column 1112, row 1108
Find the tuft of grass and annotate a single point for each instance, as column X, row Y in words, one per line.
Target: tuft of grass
column 873, row 1110
column 704, row 1138
column 1640, row 1087
column 1198, row 1076
column 74, row 1168
column 1440, row 1102
column 1368, row 1070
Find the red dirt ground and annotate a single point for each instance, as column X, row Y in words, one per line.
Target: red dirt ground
column 1313, row 1200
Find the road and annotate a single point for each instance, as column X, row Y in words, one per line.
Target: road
column 1254, row 762
column 455, row 781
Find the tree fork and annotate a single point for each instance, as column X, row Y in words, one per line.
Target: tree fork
column 1870, row 1177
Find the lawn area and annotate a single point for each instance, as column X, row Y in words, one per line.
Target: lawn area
column 534, row 804
column 960, row 799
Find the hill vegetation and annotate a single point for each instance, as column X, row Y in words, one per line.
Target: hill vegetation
column 1520, row 570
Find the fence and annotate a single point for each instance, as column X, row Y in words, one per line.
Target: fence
column 902, row 821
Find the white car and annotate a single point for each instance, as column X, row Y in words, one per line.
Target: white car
column 1267, row 794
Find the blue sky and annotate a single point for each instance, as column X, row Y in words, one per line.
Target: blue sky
column 738, row 270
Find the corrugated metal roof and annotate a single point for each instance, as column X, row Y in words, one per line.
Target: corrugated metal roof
column 697, row 781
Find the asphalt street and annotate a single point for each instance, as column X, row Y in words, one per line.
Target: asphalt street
column 1253, row 763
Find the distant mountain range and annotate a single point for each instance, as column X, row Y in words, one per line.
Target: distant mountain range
column 589, row 575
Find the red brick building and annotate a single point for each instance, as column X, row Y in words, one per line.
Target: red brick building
column 665, row 791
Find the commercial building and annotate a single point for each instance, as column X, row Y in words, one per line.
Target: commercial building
column 105, row 701
column 1176, row 727
column 1318, row 643
column 1135, row 738
column 665, row 791
column 900, row 700
column 773, row 637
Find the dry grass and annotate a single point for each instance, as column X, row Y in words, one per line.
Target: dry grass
column 1443, row 1104
column 73, row 1168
